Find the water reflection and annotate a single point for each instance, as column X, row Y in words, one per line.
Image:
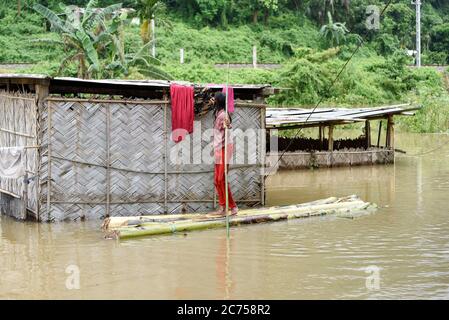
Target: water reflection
column 408, row 239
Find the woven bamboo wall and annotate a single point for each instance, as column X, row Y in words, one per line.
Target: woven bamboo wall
column 18, row 128
column 322, row 159
column 111, row 158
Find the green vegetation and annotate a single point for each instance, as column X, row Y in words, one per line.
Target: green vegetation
column 311, row 39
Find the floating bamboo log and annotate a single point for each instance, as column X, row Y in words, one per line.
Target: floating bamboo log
column 131, row 227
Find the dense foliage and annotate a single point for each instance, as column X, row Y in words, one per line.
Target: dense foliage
column 311, row 39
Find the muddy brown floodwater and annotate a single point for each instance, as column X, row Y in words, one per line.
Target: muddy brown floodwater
column 405, row 245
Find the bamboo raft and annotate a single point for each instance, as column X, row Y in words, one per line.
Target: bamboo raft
column 132, row 227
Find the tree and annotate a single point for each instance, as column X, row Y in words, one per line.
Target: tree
column 333, row 32
column 440, row 38
column 263, row 5
column 83, row 36
column 399, row 20
column 94, row 39
column 120, row 62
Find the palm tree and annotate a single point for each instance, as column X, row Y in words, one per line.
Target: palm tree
column 147, row 9
column 84, row 37
column 333, row 32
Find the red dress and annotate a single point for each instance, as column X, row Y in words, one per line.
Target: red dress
column 219, row 151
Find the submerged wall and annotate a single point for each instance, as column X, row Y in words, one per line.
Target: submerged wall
column 323, row 159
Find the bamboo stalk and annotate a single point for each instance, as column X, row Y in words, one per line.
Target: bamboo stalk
column 226, row 157
column 115, row 222
column 49, row 154
column 20, row 134
column 175, row 227
column 156, row 103
column 234, row 167
column 108, row 161
column 21, row 97
column 130, row 227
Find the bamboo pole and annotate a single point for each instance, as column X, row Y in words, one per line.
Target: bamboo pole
column 9, row 96
column 114, row 222
column 108, row 160
column 379, row 133
column 165, row 160
column 148, row 102
column 226, row 157
column 346, row 208
column 20, row 134
column 49, row 126
column 146, row 172
column 263, row 155
column 42, row 92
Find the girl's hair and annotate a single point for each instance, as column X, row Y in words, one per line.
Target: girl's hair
column 220, row 104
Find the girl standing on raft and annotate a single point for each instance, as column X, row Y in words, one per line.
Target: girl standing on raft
column 222, row 120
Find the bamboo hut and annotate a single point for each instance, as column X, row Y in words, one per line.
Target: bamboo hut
column 94, row 148
column 326, row 151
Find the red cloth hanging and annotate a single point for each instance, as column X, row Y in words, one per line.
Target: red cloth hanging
column 230, row 96
column 182, row 109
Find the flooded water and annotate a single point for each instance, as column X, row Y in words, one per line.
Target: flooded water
column 402, row 251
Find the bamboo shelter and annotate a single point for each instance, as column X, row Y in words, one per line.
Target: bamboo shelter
column 92, row 149
column 325, row 150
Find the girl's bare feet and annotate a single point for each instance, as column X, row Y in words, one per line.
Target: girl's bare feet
column 219, row 212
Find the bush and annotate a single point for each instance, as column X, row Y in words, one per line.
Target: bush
column 439, row 58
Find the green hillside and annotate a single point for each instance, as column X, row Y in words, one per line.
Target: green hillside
column 286, row 32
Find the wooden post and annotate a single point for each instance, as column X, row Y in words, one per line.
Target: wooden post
column 368, row 134
column 42, row 92
column 108, row 160
column 25, row 196
column 331, row 138
column 166, row 106
column 49, row 134
column 263, row 154
column 390, row 133
column 321, row 136
column 378, row 135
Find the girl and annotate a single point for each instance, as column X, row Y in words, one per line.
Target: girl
column 222, row 120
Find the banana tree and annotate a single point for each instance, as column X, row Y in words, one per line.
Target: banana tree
column 83, row 37
column 120, row 62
